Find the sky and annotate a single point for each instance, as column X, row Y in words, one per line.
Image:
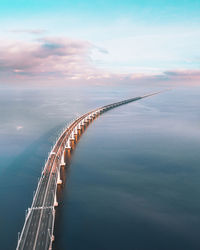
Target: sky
column 87, row 40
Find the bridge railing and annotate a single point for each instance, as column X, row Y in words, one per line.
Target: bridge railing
column 55, row 156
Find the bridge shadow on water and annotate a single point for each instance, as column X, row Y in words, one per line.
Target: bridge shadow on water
column 17, row 183
column 23, row 173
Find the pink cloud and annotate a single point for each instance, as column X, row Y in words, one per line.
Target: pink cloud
column 52, row 56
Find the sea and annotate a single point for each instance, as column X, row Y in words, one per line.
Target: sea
column 131, row 183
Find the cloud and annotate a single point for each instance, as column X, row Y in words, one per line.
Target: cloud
column 48, row 57
column 63, row 58
column 183, row 74
column 29, row 31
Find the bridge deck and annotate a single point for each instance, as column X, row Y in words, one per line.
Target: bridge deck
column 37, row 232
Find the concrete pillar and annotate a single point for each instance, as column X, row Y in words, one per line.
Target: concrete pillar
column 79, row 126
column 55, row 201
column 59, row 181
column 68, row 145
column 62, row 163
column 72, row 138
column 76, row 131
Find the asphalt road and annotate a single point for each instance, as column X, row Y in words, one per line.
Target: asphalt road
column 38, row 226
column 37, row 231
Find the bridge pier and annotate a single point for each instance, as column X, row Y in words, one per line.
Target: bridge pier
column 59, row 181
column 76, row 131
column 82, row 123
column 72, row 138
column 62, row 163
column 68, row 147
column 55, row 201
column 79, row 126
column 86, row 120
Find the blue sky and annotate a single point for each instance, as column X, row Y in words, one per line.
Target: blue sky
column 124, row 37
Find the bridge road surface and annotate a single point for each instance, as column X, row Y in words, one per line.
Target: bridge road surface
column 37, row 232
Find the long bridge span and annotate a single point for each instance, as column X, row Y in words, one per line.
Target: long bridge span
column 37, row 232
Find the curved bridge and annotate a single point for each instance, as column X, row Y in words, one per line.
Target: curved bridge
column 37, row 232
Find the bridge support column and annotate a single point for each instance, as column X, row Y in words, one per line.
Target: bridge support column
column 55, row 201
column 62, row 163
column 72, row 138
column 68, row 147
column 76, row 131
column 86, row 120
column 79, row 126
column 59, row 181
column 83, row 123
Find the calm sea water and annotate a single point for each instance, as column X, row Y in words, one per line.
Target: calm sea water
column 133, row 181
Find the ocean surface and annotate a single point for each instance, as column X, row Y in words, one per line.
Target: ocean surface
column 133, row 182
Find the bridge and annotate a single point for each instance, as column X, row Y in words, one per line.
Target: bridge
column 37, row 232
